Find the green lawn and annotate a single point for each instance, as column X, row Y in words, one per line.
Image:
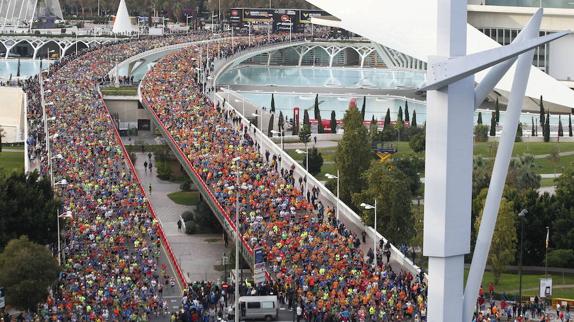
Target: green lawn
column 547, row 182
column 186, row 198
column 509, row 283
column 12, row 161
column 545, row 165
column 488, row 149
column 120, row 91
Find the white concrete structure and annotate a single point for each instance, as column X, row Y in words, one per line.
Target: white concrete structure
column 12, row 116
column 415, row 35
column 122, row 23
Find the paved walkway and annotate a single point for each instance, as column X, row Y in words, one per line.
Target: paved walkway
column 196, row 254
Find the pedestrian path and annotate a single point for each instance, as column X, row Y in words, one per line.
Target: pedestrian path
column 196, row 254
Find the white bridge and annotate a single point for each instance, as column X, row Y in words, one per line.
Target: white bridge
column 60, row 45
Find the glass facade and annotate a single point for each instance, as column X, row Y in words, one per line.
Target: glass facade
column 505, row 36
column 565, row 4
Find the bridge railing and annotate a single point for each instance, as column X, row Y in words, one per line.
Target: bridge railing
column 227, row 223
column 346, row 215
column 171, row 257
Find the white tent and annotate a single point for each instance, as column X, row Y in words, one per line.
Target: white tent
column 122, row 24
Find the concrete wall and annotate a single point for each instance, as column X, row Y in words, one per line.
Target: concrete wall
column 12, row 114
column 126, row 107
column 561, row 54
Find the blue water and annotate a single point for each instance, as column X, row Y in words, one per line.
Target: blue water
column 28, row 67
column 376, row 105
column 323, row 77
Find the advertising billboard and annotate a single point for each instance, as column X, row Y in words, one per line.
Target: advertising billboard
column 235, row 17
column 305, row 15
column 257, row 15
column 285, row 20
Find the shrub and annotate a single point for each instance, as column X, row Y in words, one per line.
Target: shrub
column 561, row 258
column 480, row 133
column 163, row 170
column 186, row 185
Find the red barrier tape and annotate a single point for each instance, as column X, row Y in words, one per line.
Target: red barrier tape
column 149, row 205
column 206, row 188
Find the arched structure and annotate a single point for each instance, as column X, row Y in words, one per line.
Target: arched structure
column 63, row 44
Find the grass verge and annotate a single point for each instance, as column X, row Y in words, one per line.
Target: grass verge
column 186, row 198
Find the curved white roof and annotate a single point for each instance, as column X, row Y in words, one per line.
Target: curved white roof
column 410, row 27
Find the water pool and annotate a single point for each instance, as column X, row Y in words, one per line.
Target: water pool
column 28, row 67
column 376, row 78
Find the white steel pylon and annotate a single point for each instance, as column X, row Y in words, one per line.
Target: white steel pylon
column 451, row 100
column 122, row 23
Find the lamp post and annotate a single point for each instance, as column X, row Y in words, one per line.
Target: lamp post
column 367, row 206
column 281, row 135
column 236, row 299
column 330, row 176
column 260, row 121
column 521, row 217
column 306, row 152
column 546, row 252
column 224, row 260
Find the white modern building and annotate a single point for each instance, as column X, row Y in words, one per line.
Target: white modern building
column 502, row 20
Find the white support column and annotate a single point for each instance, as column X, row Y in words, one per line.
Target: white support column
column 448, row 166
column 499, row 172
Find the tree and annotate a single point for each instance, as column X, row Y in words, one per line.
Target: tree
column 364, row 107
column 481, row 170
column 387, row 118
column 563, row 222
column 27, row 270
column 281, row 122
column 407, row 116
column 497, row 111
column 353, row 154
column 270, row 126
column 414, row 121
column 479, row 121
column 316, row 107
column 320, row 128
column 306, row 118
column 315, row 161
column 518, row 137
column 411, row 165
column 389, row 186
column 373, row 129
column 546, row 130
column 541, row 104
column 417, row 142
column 400, row 115
column 480, row 133
column 272, row 103
column 2, row 135
column 560, row 129
column 570, row 124
column 493, row 124
column 28, row 208
column 532, row 128
column 305, row 134
column 522, row 174
column 503, row 246
column 333, row 124
column 554, row 157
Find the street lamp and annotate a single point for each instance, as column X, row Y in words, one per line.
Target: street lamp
column 243, row 105
column 521, row 217
column 306, row 156
column 367, row 206
column 281, row 135
column 330, row 176
column 236, row 299
column 224, row 260
column 260, row 119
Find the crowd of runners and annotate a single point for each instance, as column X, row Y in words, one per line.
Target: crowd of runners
column 111, row 265
column 312, row 256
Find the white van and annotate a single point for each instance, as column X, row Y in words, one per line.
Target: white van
column 257, row 308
